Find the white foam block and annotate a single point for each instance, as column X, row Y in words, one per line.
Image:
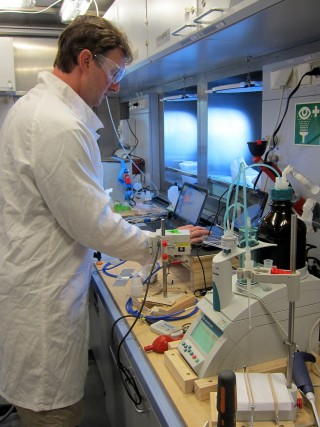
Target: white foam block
column 265, row 405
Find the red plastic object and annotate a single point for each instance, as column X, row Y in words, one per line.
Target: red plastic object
column 275, row 270
column 299, row 402
column 160, row 344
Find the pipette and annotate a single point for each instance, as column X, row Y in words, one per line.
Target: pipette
column 302, row 378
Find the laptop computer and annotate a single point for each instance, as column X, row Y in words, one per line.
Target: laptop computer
column 188, row 208
column 256, row 202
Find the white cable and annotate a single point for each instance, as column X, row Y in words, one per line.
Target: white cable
column 97, row 9
column 311, row 398
column 30, row 12
column 126, row 152
column 316, row 323
column 265, row 305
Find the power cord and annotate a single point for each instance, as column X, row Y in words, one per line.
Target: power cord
column 9, row 410
column 314, row 72
column 127, row 378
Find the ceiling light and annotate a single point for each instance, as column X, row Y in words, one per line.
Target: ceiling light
column 16, row 4
column 183, row 97
column 237, row 88
column 70, row 9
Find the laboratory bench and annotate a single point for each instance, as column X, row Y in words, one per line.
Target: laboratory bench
column 164, row 403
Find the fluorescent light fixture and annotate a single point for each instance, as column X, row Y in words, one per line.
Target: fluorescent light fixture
column 179, row 98
column 183, row 30
column 237, row 88
column 214, row 15
column 214, row 12
column 16, row 4
column 70, row 9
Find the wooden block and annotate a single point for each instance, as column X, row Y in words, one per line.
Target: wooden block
column 180, row 370
column 196, row 273
column 173, row 344
column 213, row 421
column 204, row 386
column 156, row 307
column 279, row 365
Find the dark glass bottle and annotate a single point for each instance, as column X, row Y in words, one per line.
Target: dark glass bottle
column 275, row 227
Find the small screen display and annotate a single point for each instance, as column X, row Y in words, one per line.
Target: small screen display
column 206, row 334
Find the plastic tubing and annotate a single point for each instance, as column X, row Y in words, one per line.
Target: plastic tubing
column 236, row 182
column 169, row 317
column 126, row 151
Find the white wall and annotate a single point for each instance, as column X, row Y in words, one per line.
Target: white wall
column 305, row 159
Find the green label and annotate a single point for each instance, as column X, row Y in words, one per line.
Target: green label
column 307, row 124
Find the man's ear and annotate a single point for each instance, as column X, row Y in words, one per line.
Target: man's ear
column 84, row 58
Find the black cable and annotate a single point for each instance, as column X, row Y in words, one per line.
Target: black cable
column 9, row 412
column 314, row 72
column 203, row 291
column 218, row 211
column 309, row 247
column 125, row 374
column 135, row 136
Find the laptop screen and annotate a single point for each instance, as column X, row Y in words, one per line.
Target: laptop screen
column 256, row 202
column 190, row 203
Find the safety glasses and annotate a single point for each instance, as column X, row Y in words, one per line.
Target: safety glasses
column 113, row 70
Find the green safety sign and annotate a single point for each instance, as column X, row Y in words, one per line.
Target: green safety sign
column 307, row 124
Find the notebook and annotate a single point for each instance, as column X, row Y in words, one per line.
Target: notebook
column 188, row 208
column 256, row 202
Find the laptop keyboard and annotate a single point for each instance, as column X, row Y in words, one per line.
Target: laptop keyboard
column 156, row 224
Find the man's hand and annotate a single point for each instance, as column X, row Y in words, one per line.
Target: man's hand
column 197, row 233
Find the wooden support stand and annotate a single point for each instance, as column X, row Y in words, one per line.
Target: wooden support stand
column 189, row 382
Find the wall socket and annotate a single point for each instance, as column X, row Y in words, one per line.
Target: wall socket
column 280, row 78
column 315, row 80
column 301, row 69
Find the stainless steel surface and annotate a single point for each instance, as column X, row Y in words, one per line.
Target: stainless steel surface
column 292, row 305
column 293, row 243
column 164, row 262
column 31, row 56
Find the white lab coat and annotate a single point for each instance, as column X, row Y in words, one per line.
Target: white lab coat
column 53, row 208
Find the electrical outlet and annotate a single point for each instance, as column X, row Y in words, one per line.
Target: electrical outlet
column 301, row 69
column 315, row 80
column 280, row 78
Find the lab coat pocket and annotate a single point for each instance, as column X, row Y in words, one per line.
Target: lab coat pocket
column 74, row 297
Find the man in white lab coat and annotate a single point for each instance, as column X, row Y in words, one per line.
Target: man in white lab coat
column 54, row 212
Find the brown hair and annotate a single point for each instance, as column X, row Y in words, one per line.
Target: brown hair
column 89, row 32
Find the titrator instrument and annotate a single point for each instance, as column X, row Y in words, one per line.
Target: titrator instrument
column 255, row 316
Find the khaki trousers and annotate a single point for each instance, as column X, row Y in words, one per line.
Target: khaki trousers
column 70, row 416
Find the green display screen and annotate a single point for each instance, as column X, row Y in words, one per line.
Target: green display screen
column 206, row 334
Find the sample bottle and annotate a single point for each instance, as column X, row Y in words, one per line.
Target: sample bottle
column 275, row 227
